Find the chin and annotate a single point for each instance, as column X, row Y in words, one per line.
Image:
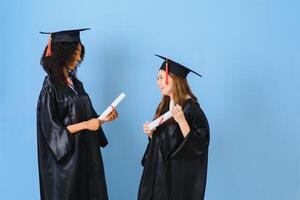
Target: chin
column 164, row 94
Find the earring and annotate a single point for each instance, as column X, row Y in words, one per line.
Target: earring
column 71, row 72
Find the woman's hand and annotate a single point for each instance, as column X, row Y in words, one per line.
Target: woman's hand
column 147, row 130
column 177, row 114
column 93, row 124
column 112, row 116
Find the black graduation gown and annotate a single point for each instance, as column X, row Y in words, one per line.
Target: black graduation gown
column 70, row 166
column 175, row 167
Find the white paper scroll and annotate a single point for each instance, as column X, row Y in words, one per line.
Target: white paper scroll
column 112, row 106
column 152, row 125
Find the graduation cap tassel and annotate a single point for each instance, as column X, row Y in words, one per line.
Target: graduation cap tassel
column 167, row 72
column 49, row 49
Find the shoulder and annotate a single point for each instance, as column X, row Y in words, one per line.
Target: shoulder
column 49, row 87
column 76, row 80
column 49, row 82
column 191, row 105
column 192, row 109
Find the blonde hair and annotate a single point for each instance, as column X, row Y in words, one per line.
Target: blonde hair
column 181, row 90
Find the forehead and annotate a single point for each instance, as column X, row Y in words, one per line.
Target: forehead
column 161, row 73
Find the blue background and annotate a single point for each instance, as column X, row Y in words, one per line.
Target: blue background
column 248, row 52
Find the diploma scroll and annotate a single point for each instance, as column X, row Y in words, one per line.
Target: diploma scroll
column 152, row 125
column 112, row 106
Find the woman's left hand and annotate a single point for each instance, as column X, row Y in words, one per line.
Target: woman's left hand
column 177, row 114
column 112, row 116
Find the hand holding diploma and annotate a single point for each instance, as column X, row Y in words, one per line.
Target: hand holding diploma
column 158, row 121
column 110, row 113
column 110, row 117
column 147, row 130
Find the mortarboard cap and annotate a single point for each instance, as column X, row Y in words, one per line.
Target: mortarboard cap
column 63, row 36
column 173, row 67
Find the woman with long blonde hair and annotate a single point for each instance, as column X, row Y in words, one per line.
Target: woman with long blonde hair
column 175, row 161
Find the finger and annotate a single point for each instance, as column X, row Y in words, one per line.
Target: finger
column 116, row 113
column 146, row 123
column 113, row 108
column 178, row 107
column 175, row 111
column 112, row 112
column 175, row 108
column 146, row 127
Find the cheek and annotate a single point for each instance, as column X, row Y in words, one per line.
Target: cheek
column 169, row 88
column 160, row 82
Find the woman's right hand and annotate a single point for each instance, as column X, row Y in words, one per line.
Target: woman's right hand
column 93, row 124
column 147, row 130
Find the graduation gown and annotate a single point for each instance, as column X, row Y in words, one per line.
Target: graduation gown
column 175, row 167
column 70, row 165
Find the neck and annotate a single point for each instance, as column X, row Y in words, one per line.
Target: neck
column 66, row 73
column 171, row 96
column 67, row 77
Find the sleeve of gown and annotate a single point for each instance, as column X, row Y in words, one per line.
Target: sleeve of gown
column 57, row 136
column 197, row 140
column 102, row 138
column 145, row 154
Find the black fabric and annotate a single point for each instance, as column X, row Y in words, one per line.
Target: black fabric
column 66, row 35
column 175, row 68
column 175, row 167
column 70, row 165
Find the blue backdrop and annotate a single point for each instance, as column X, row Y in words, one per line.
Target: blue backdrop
column 247, row 51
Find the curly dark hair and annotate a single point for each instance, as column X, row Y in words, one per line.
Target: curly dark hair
column 62, row 55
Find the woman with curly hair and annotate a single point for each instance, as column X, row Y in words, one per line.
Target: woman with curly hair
column 175, row 161
column 69, row 132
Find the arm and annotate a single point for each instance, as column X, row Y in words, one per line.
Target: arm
column 56, row 135
column 196, row 133
column 180, row 119
column 92, row 124
column 184, row 127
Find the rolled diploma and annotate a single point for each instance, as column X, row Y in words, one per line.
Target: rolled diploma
column 112, row 106
column 152, row 125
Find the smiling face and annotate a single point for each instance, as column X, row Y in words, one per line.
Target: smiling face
column 77, row 58
column 165, row 89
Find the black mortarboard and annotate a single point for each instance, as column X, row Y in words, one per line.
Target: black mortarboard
column 63, row 36
column 175, row 68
